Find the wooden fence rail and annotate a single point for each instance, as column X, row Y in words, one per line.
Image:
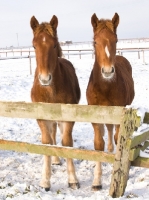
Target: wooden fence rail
column 59, row 112
column 65, row 152
column 128, row 147
column 68, row 52
column 31, row 53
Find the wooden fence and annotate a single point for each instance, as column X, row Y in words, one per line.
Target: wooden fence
column 21, row 53
column 128, row 147
column 30, row 53
column 127, row 40
column 67, row 53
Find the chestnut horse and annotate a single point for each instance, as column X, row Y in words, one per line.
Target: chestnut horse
column 110, row 82
column 55, row 81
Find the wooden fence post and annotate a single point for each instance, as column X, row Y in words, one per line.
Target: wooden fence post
column 30, row 64
column 93, row 54
column 143, row 56
column 80, row 53
column 138, row 54
column 122, row 163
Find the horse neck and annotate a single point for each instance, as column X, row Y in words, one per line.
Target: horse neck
column 97, row 71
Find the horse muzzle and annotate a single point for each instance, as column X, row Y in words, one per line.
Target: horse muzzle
column 108, row 72
column 45, row 80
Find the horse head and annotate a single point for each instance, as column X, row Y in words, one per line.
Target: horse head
column 105, row 40
column 47, row 48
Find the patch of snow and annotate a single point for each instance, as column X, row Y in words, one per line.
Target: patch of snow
column 20, row 173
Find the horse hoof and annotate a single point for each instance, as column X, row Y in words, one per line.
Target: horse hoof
column 47, row 189
column 74, row 186
column 45, row 185
column 96, row 187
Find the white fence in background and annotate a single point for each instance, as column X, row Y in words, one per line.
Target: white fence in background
column 68, row 53
column 19, row 53
column 135, row 48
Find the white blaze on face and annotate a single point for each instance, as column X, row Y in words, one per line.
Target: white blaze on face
column 107, row 52
column 44, row 39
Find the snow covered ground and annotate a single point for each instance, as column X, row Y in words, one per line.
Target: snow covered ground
column 20, row 173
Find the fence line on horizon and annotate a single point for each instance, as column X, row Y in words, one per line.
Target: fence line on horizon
column 29, row 52
column 66, row 43
column 23, row 53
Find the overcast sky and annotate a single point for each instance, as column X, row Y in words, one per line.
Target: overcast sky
column 74, row 18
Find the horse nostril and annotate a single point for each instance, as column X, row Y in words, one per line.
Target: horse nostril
column 50, row 76
column 107, row 72
column 45, row 80
column 112, row 70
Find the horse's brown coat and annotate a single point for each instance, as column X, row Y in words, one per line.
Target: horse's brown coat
column 114, row 92
column 110, row 82
column 55, row 81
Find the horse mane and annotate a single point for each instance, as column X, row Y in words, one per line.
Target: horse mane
column 102, row 23
column 47, row 28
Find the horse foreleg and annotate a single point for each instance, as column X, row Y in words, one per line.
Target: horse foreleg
column 110, row 137
column 67, row 141
column 96, row 185
column 55, row 159
column 72, row 178
column 98, row 145
column 46, row 139
column 46, row 173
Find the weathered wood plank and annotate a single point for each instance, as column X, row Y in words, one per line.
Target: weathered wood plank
column 134, row 153
column 122, row 164
column 65, row 152
column 141, row 162
column 136, row 140
column 146, row 144
column 62, row 112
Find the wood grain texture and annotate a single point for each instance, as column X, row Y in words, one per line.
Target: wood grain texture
column 65, row 152
column 122, row 163
column 62, row 112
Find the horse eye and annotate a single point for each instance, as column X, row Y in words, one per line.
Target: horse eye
column 55, row 46
column 34, row 47
column 95, row 43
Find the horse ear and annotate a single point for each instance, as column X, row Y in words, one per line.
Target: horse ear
column 54, row 22
column 94, row 21
column 115, row 21
column 34, row 23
